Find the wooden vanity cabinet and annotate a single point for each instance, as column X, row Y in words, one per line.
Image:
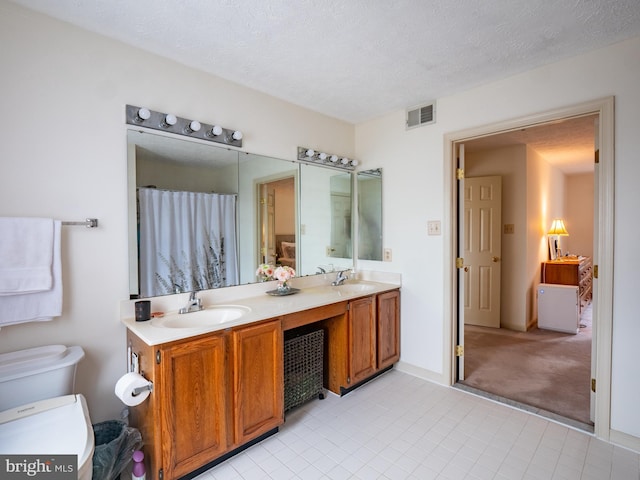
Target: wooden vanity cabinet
column 363, row 341
column 194, row 404
column 258, row 383
column 388, row 328
column 212, row 394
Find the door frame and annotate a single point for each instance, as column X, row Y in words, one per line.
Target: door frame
column 603, row 242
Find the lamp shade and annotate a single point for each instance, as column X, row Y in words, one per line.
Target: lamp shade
column 558, row 228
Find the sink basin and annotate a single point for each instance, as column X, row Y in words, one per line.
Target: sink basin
column 354, row 287
column 209, row 317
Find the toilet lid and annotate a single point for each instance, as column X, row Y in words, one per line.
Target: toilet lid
column 58, row 425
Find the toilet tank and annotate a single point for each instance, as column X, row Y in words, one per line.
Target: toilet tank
column 39, row 373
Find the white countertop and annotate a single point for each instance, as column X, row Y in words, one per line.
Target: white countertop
column 315, row 291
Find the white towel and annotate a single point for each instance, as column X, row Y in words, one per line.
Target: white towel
column 26, row 255
column 39, row 306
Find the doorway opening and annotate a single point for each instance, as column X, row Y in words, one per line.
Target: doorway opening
column 530, row 255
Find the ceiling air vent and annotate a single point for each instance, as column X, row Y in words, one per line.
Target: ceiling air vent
column 422, row 115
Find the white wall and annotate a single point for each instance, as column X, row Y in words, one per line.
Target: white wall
column 545, row 201
column 63, row 154
column 413, row 162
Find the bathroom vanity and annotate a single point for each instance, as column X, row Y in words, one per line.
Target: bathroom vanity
column 218, row 389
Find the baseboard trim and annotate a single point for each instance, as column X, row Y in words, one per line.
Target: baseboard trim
column 422, row 373
column 625, row 440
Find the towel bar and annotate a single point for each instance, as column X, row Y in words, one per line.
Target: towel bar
column 89, row 223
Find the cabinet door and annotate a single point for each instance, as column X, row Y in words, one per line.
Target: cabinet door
column 194, row 404
column 258, row 385
column 388, row 328
column 362, row 339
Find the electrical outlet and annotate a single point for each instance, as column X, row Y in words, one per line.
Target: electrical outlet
column 387, row 254
column 433, row 227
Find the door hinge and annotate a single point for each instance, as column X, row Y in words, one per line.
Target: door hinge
column 158, row 357
column 459, row 350
column 459, row 262
column 596, row 156
column 595, row 271
column 160, row 474
column 460, row 173
column 593, row 385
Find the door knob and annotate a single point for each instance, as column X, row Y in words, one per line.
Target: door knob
column 495, row 259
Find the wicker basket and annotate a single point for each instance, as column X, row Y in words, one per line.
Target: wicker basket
column 303, row 362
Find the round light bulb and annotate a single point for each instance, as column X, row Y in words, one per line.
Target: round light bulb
column 195, row 126
column 237, row 135
column 322, row 156
column 310, row 153
column 216, row 130
column 344, row 161
column 334, row 158
column 143, row 114
column 170, row 119
column 354, row 163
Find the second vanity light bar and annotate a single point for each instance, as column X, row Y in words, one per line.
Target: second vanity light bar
column 308, row 155
column 168, row 122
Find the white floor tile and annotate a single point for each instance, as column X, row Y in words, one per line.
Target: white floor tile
column 401, row 427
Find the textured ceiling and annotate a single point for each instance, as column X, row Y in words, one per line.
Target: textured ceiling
column 357, row 59
column 568, row 144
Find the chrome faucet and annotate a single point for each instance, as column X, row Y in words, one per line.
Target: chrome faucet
column 340, row 278
column 194, row 305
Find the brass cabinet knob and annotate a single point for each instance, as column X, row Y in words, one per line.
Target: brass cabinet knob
column 495, row 259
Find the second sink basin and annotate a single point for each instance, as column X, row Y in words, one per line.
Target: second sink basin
column 208, row 317
column 354, row 287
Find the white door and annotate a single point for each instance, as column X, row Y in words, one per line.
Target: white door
column 481, row 231
column 340, row 226
column 266, row 235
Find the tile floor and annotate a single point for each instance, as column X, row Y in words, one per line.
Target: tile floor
column 401, row 427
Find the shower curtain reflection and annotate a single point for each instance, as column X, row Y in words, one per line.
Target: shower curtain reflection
column 188, row 241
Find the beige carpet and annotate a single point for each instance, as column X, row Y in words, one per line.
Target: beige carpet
column 540, row 368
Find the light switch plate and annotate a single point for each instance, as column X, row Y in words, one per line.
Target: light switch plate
column 433, row 227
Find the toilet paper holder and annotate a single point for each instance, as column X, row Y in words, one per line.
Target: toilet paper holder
column 143, row 388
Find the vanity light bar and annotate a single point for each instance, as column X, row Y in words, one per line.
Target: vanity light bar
column 311, row 156
column 167, row 122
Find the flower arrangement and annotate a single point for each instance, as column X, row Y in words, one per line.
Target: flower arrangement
column 265, row 272
column 282, row 274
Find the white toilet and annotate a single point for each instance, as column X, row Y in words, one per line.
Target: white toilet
column 39, row 414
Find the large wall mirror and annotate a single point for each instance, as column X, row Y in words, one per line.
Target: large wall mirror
column 370, row 214
column 203, row 216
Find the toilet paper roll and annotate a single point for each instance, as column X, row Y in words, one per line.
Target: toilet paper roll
column 126, row 385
